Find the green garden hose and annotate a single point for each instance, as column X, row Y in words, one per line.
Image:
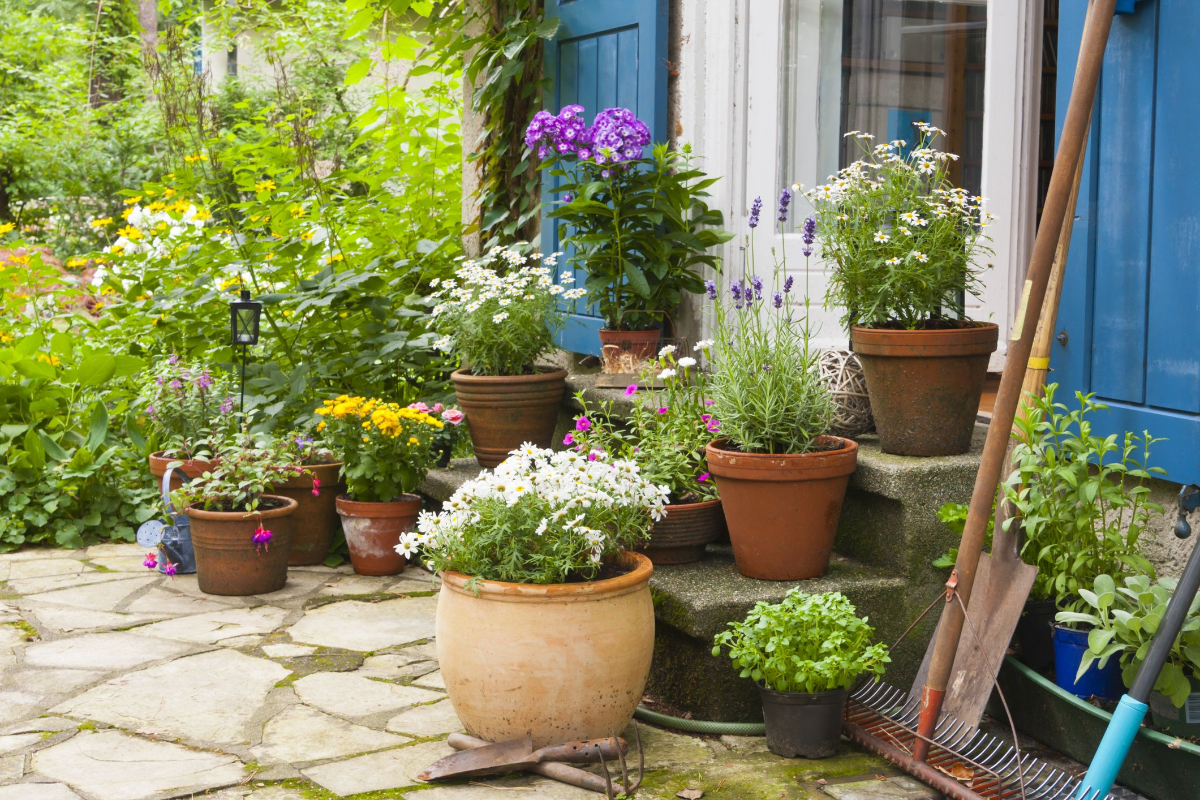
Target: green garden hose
column 699, row 725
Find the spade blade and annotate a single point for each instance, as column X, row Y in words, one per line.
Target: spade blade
column 493, row 759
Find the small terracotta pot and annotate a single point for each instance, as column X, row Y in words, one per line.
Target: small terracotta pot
column 193, row 468
column 227, row 560
column 316, row 518
column 559, row 662
column 642, row 345
column 925, row 385
column 373, row 530
column 681, row 536
column 783, row 510
column 505, row 411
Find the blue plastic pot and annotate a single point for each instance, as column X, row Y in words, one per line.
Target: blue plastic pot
column 1069, row 648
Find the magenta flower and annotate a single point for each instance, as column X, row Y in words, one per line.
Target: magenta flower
column 169, row 568
column 316, row 487
column 583, row 424
column 631, row 390
column 569, row 439
column 713, row 425
column 710, row 402
column 151, row 560
column 593, row 455
column 262, row 537
column 663, row 409
column 704, row 476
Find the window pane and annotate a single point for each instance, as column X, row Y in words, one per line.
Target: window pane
column 880, row 65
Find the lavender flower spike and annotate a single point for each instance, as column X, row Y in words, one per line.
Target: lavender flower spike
column 809, row 234
column 778, row 300
column 785, row 197
column 735, row 289
column 711, row 286
column 755, row 210
column 757, row 283
column 787, row 284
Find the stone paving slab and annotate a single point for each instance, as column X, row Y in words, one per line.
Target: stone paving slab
column 349, row 695
column 104, row 651
column 366, row 627
column 302, row 734
column 104, row 596
column 37, row 791
column 390, row 769
column 218, row 625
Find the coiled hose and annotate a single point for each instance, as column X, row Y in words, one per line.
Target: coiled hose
column 699, row 725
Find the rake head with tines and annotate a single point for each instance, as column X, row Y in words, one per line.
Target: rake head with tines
column 964, row 763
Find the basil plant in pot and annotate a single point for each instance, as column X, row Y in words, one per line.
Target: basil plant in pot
column 640, row 226
column 499, row 314
column 545, row 624
column 805, row 654
column 781, row 476
column 242, row 534
column 188, row 406
column 901, row 243
column 665, row 434
column 386, row 451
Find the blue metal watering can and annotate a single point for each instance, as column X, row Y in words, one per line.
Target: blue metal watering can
column 173, row 541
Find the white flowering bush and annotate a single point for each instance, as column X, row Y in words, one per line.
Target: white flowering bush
column 540, row 517
column 899, row 236
column 500, row 312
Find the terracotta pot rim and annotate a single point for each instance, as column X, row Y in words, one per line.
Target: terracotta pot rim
column 848, row 445
column 290, row 505
column 782, row 467
column 544, row 374
column 979, row 339
column 375, row 508
column 696, row 504
column 554, row 592
column 158, row 463
column 647, row 332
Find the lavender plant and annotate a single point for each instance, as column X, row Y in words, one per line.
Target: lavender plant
column 765, row 387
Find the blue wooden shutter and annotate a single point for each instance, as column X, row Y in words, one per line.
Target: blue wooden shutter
column 607, row 53
column 1131, row 296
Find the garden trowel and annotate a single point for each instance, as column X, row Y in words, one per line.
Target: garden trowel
column 518, row 754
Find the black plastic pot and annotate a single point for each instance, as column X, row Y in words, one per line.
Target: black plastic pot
column 1035, row 635
column 801, row 724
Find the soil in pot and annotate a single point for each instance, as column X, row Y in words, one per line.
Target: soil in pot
column 316, row 517
column 373, row 530
column 1069, row 647
column 803, row 725
column 192, row 468
column 227, row 560
column 505, row 411
column 783, row 510
column 559, row 662
column 925, row 385
column 640, row 346
column 1035, row 635
column 681, row 536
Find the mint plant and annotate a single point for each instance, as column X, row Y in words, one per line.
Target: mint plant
column 807, row 643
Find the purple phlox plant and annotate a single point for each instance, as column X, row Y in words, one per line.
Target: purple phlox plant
column 565, row 134
column 755, row 211
column 617, row 135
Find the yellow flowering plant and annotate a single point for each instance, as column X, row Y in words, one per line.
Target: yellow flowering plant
column 387, row 448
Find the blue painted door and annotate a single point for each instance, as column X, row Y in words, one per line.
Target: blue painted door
column 607, row 53
column 1130, row 308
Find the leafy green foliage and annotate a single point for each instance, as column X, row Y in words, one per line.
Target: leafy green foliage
column 642, row 232
column 1123, row 620
column 954, row 517
column 1082, row 499
column 189, row 408
column 807, row 643
column 249, row 468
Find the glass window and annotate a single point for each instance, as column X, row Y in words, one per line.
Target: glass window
column 882, row 65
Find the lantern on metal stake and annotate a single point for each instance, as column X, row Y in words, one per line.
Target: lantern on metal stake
column 243, row 316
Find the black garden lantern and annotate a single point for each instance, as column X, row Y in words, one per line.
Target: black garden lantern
column 244, row 314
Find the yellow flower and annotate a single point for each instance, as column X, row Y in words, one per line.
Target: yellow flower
column 141, row 297
column 18, row 259
column 181, row 206
column 307, row 236
column 268, row 256
column 366, row 438
column 320, row 426
column 157, row 205
column 264, row 186
column 99, row 305
column 225, row 284
column 168, row 192
column 131, row 233
column 203, row 214
column 334, row 257
column 125, row 214
column 51, row 360
column 101, row 222
column 297, row 211
column 6, row 227
column 413, row 440
column 129, row 201
column 117, row 249
column 195, row 158
column 6, row 337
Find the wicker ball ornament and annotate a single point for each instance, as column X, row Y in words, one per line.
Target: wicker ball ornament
column 843, row 376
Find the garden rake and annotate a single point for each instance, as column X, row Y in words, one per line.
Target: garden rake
column 913, row 731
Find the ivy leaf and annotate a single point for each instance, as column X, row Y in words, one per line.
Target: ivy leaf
column 547, row 27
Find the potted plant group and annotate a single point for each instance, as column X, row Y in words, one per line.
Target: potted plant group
column 500, row 314
column 545, row 624
column 901, row 243
column 188, row 407
column 640, row 227
column 1082, row 503
column 386, row 451
column 781, row 476
column 804, row 654
column 665, row 434
column 242, row 535
column 315, row 489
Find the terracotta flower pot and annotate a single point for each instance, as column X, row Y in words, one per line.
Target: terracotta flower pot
column 783, row 510
column 227, row 560
column 681, row 536
column 373, row 530
column 559, row 662
column 316, row 518
column 193, row 468
column 642, row 345
column 505, row 411
column 925, row 385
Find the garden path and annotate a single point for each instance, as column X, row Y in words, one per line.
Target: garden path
column 120, row 684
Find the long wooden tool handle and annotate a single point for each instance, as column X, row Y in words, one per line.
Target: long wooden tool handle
column 1079, row 110
column 572, row 776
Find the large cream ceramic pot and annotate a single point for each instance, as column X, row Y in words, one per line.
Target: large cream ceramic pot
column 559, row 662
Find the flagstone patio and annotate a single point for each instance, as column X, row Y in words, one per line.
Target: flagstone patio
column 119, row 684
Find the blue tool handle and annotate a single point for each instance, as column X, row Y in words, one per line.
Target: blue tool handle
column 1110, row 755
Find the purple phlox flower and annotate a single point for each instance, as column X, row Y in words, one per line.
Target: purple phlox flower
column 787, row 284
column 262, row 538
column 703, row 477
column 785, row 197
column 564, row 134
column 583, row 424
column 151, row 560
column 663, row 409
column 755, row 210
column 777, row 300
column 757, row 283
column 617, row 135
column 569, row 439
column 631, row 390
column 227, row 405
column 169, row 568
column 711, row 286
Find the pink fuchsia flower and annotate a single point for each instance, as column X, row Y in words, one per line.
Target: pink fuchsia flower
column 663, row 409
column 316, row 487
column 262, row 538
column 419, row 406
column 453, row 416
column 169, row 569
column 569, row 439
column 704, row 476
column 436, row 408
column 151, row 560
column 583, row 424
column 631, row 390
